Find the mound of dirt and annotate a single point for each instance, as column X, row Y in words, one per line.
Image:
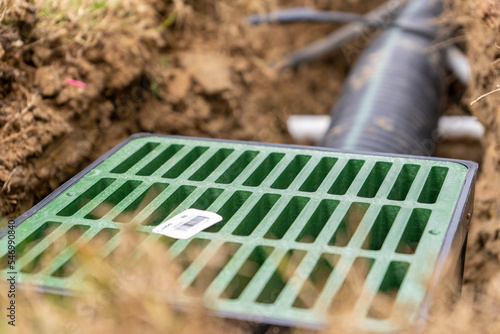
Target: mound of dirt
column 66, row 89
column 482, row 26
column 76, row 80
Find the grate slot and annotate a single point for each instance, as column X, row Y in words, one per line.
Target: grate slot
column 237, row 167
column 433, row 185
column 191, row 252
column 160, row 160
column 256, row 215
column 45, row 258
column 403, row 183
column 86, row 197
column 383, row 303
column 169, row 205
column 318, row 175
column 211, row 165
column 166, row 241
column 346, row 297
column 113, row 200
column 140, row 203
column 346, row 177
column 317, row 221
column 96, row 243
column 185, row 162
column 31, row 241
column 291, row 171
column 316, row 281
column 287, row 218
column 260, row 279
column 207, row 198
column 197, row 265
column 413, row 231
column 349, row 224
column 134, row 158
column 198, row 195
column 264, row 169
column 123, row 204
column 381, row 227
column 246, row 272
column 281, row 276
column 230, row 208
column 123, row 252
column 214, row 266
column 111, row 245
column 375, row 179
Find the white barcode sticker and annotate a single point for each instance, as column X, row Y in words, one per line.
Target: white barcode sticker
column 187, row 223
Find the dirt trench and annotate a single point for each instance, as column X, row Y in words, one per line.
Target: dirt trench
column 72, row 87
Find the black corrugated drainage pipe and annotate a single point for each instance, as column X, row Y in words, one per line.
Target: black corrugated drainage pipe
column 394, row 94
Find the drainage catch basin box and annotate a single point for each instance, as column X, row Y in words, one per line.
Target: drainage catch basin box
column 309, row 234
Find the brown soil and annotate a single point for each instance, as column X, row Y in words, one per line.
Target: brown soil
column 204, row 75
column 200, row 73
column 482, row 35
column 48, row 128
column 478, row 309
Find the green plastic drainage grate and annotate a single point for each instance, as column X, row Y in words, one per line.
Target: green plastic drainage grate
column 299, row 224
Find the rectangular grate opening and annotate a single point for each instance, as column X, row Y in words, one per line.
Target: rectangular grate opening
column 42, row 260
column 70, row 266
column 317, row 221
column 433, row 185
column 291, row 171
column 208, row 168
column 318, row 175
column 375, row 179
column 303, row 231
column 127, row 250
column 281, row 276
column 191, row 252
column 287, row 218
column 237, row 167
column 413, row 231
column 113, row 200
column 346, row 177
column 169, row 205
column 349, row 224
column 160, row 160
column 140, row 203
column 246, row 272
column 31, row 241
column 229, row 209
column 347, row 296
column 86, row 197
column 383, row 303
column 257, row 214
column 403, row 183
column 265, row 168
column 135, row 158
column 185, row 162
column 381, row 227
column 208, row 197
column 214, row 266
column 316, row 281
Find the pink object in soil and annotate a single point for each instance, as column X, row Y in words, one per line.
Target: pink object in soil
column 76, row 83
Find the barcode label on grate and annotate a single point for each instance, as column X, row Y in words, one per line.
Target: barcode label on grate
column 193, row 222
column 187, row 223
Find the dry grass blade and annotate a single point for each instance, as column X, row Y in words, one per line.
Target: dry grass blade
column 485, row 95
column 6, row 5
column 128, row 291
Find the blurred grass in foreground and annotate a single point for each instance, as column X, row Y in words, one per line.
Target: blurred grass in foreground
column 127, row 292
